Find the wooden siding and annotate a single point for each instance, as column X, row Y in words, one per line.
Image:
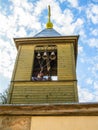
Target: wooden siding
column 66, row 62
column 25, row 91
column 24, row 63
column 43, row 92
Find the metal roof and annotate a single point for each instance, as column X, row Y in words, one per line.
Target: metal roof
column 48, row 33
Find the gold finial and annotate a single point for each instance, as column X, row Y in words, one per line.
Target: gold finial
column 49, row 24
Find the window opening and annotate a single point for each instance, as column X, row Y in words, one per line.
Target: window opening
column 45, row 63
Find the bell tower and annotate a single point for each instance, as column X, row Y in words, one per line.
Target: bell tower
column 45, row 68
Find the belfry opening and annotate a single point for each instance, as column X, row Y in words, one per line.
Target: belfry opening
column 45, row 63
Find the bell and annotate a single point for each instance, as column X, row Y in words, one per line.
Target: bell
column 45, row 56
column 52, row 56
column 38, row 56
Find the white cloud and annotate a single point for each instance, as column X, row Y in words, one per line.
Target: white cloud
column 93, row 42
column 96, row 95
column 21, row 32
column 80, row 49
column 85, row 95
column 92, row 13
column 3, row 23
column 27, row 6
column 63, row 21
column 78, row 26
column 95, row 32
column 65, row 24
column 94, row 69
column 96, row 85
column 89, row 81
column 64, row 18
column 95, row 1
column 41, row 5
column 73, row 3
column 7, row 56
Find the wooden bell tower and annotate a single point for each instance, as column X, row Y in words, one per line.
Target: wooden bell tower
column 54, row 57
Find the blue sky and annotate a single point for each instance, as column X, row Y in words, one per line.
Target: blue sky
column 25, row 18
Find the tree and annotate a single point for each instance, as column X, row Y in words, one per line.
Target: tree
column 4, row 97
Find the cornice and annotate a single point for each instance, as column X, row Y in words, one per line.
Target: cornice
column 75, row 109
column 40, row 40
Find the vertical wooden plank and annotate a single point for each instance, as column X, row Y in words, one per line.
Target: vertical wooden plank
column 25, row 62
column 73, row 62
column 76, row 91
column 15, row 65
column 65, row 62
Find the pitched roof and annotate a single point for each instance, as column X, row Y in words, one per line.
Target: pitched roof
column 48, row 33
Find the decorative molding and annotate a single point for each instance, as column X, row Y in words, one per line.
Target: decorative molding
column 76, row 109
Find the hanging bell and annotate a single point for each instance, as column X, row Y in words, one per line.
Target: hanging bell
column 38, row 56
column 45, row 56
column 52, row 56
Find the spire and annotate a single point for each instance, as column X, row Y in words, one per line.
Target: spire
column 49, row 24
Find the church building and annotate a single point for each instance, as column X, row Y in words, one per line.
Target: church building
column 43, row 91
